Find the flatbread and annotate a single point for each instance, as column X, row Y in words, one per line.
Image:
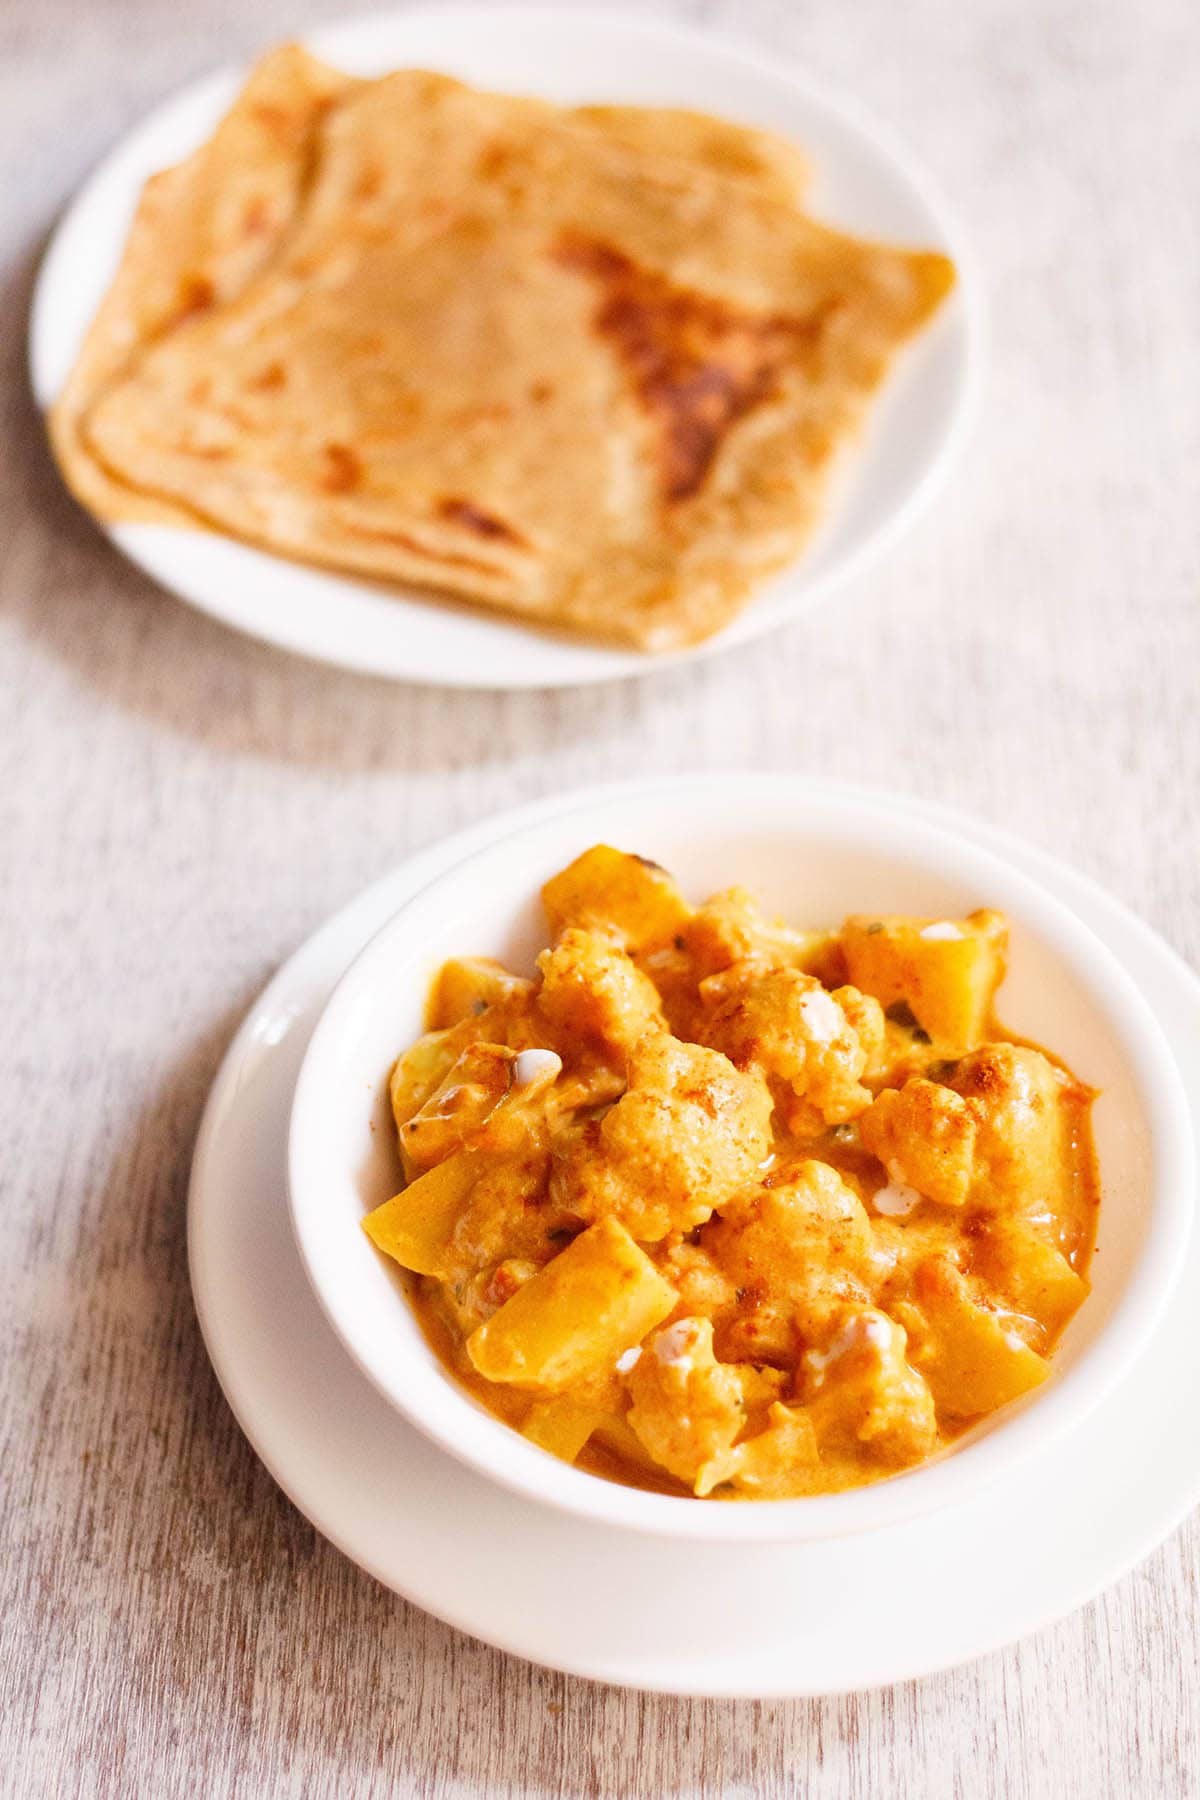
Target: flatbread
column 204, row 227
column 502, row 354
column 772, row 164
column 201, row 230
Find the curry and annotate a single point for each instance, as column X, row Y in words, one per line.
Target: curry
column 720, row 1206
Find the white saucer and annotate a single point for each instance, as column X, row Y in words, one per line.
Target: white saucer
column 815, row 1618
column 862, row 182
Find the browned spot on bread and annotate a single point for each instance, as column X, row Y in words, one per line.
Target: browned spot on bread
column 493, row 159
column 369, row 182
column 277, row 120
column 435, row 212
column 292, row 123
column 698, row 365
column 268, row 380
column 236, row 416
column 196, row 295
column 473, row 518
column 343, row 469
column 256, row 217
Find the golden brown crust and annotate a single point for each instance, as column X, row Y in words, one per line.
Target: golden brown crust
column 696, row 364
column 478, row 344
column 201, row 231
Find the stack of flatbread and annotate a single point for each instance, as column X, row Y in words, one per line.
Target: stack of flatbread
column 589, row 366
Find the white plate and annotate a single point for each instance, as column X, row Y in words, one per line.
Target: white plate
column 863, row 182
column 618, row 1606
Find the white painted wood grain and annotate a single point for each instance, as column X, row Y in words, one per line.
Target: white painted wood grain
column 178, row 807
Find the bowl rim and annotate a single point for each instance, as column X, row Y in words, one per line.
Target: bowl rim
column 455, row 1421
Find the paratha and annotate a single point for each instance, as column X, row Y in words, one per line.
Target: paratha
column 201, row 230
column 503, row 353
column 204, row 227
column 772, row 164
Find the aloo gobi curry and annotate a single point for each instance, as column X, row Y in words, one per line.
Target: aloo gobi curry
column 717, row 1205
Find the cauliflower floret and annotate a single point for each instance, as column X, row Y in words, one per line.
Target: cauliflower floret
column 507, row 1214
column 861, row 1387
column 703, row 1287
column 1016, row 1098
column 594, row 996
column 773, row 1463
column 729, row 928
column 687, row 1407
column 688, row 1131
column 864, row 1015
column 797, row 1253
column 800, row 1035
column 924, row 1135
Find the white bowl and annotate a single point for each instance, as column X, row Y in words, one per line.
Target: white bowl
column 812, row 853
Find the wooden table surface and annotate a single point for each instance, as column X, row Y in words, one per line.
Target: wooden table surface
column 179, row 807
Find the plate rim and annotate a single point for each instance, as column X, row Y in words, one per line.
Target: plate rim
column 1045, row 866
column 585, row 664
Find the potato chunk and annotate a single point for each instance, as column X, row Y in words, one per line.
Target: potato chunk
column 924, row 1135
column 467, row 986
column 973, row 1360
column 596, row 1298
column 416, row 1226
column 425, row 1065
column 1028, row 1274
column 421, row 1070
column 492, row 1098
column 860, row 1387
column 594, row 998
column 489, row 1135
column 687, row 1407
column 688, row 1131
column 467, row 1094
column 800, row 1035
column 944, row 972
column 799, row 1252
column 628, row 895
column 564, row 1424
